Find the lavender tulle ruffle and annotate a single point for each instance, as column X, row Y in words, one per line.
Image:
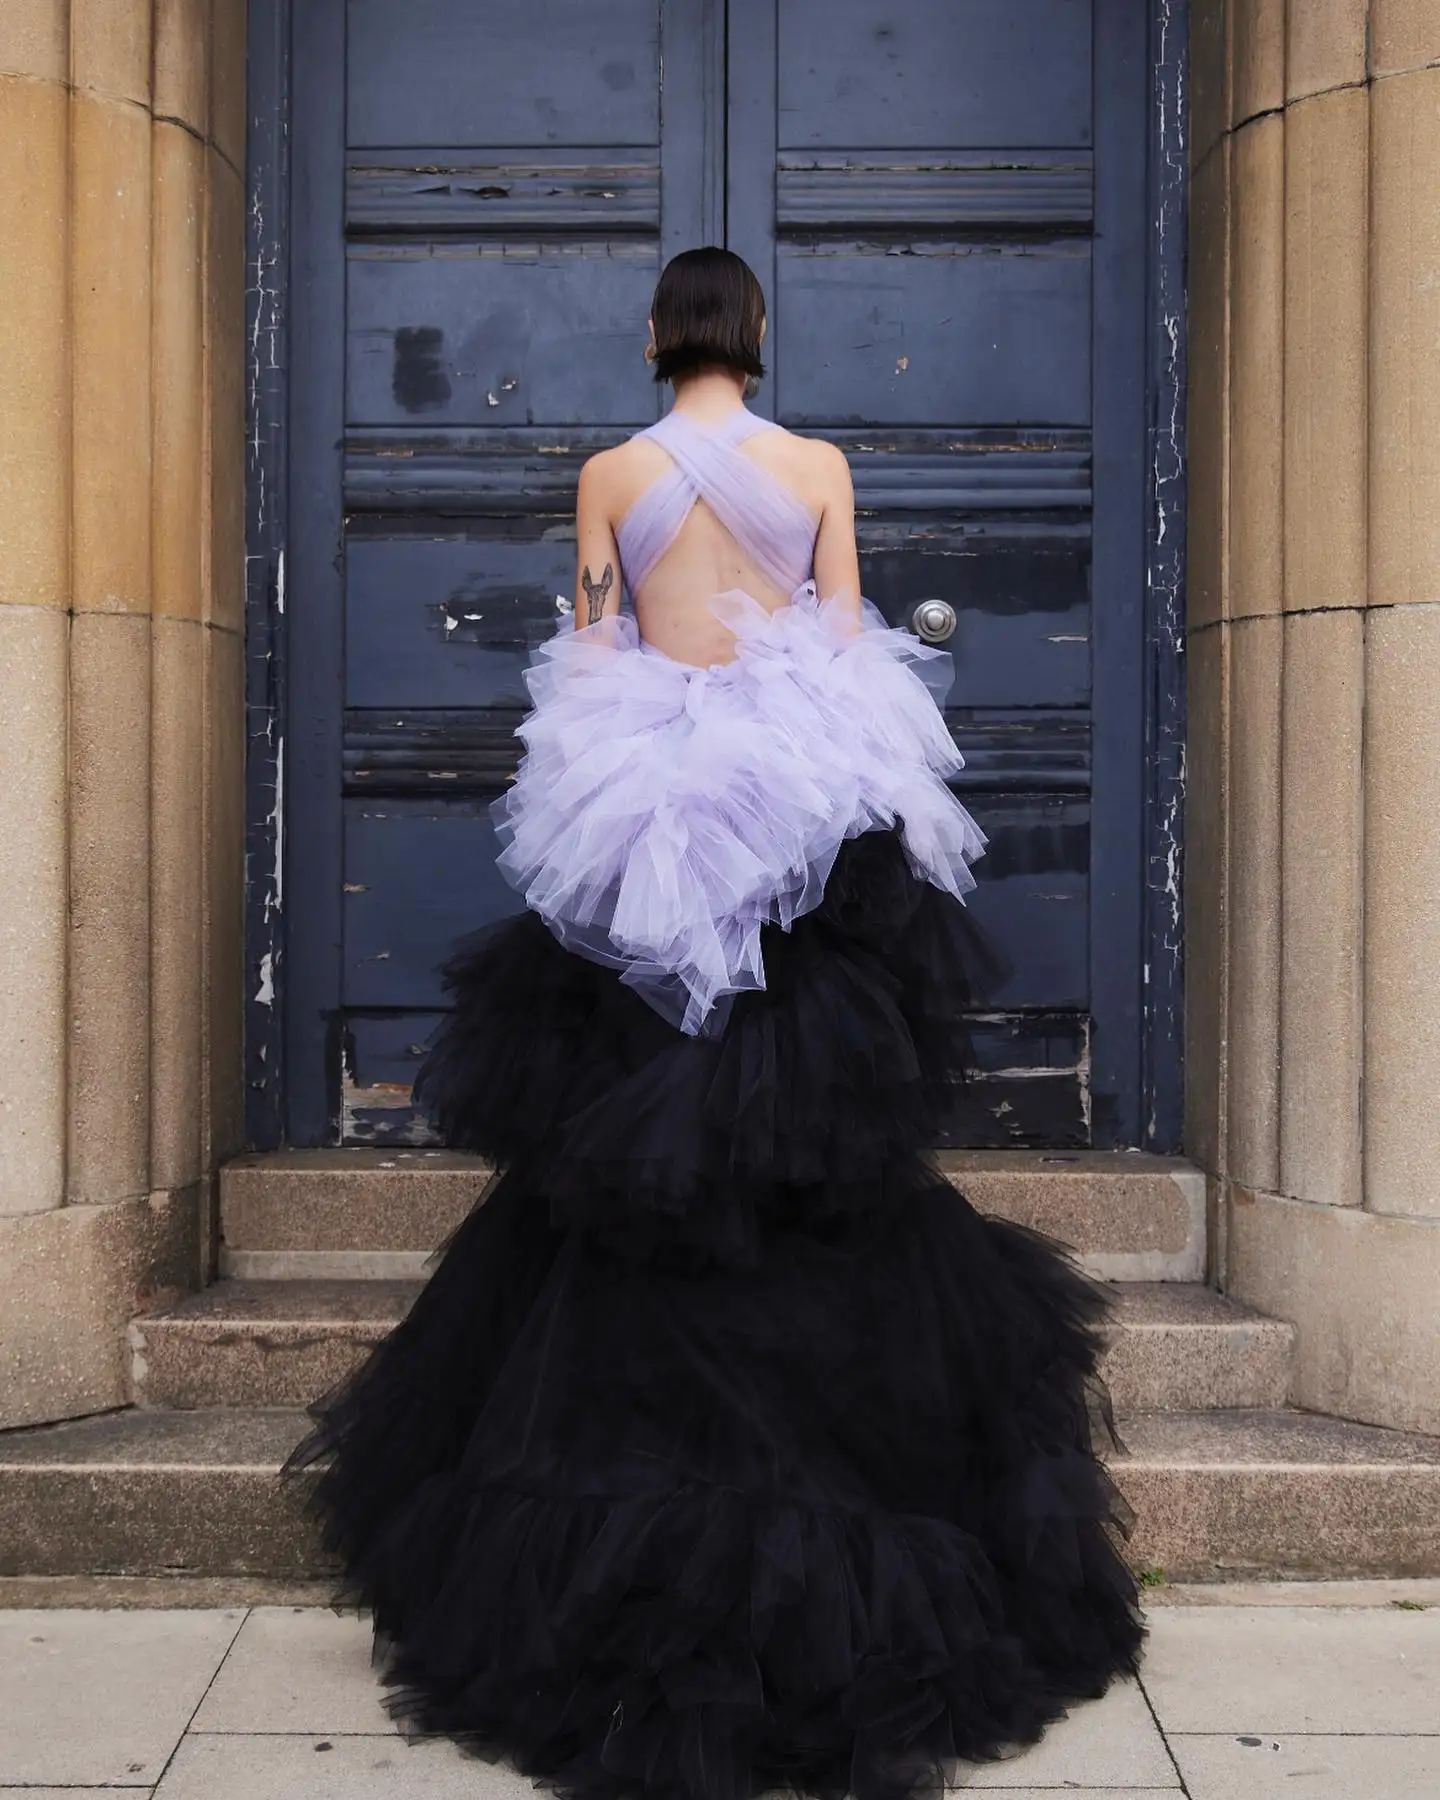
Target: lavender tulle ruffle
column 664, row 813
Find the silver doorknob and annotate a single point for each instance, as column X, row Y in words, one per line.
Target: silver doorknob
column 933, row 620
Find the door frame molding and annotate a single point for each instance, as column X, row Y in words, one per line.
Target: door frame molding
column 1167, row 390
column 267, row 466
column 274, row 326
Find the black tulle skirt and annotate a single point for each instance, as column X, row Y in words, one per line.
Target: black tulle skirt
column 728, row 1448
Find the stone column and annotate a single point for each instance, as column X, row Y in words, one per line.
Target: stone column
column 121, row 233
column 1314, row 645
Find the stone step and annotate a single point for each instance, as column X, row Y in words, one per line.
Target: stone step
column 261, row 1343
column 377, row 1214
column 1236, row 1494
column 1182, row 1346
column 154, row 1493
column 284, row 1343
column 1216, row 1494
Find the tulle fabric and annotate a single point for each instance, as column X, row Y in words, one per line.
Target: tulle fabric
column 728, row 1447
column 820, row 1088
column 772, row 525
column 663, row 814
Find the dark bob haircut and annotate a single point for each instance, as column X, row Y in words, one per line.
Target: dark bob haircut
column 708, row 310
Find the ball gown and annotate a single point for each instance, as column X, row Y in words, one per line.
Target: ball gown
column 728, row 1447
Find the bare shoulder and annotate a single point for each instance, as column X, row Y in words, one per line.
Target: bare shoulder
column 815, row 468
column 832, row 467
column 611, row 479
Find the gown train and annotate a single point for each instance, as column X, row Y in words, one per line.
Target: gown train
column 728, row 1447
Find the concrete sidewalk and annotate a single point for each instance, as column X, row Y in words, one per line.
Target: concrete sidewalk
column 1255, row 1702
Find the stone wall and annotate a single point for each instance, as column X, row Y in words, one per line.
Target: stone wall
column 122, row 142
column 1313, row 896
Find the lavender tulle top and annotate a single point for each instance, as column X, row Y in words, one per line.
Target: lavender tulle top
column 664, row 813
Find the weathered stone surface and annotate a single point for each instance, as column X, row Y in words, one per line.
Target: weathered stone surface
column 1216, row 1226
column 346, row 1200
column 286, row 1343
column 178, row 398
column 1320, row 1765
column 225, row 313
column 109, row 1076
column 355, row 1768
column 1349, row 1593
column 1217, row 1493
column 1225, row 1494
column 34, row 311
column 177, row 873
column 1402, row 911
column 35, row 40
column 1131, row 1217
column 323, row 1265
column 1257, row 78
column 110, row 47
column 1253, row 1007
column 1326, row 373
column 223, row 1129
column 1322, row 836
column 122, row 241
column 71, row 1279
column 110, row 354
column 258, row 1692
column 1360, row 1289
column 1128, row 1217
column 1209, row 77
column 153, row 1493
column 1295, row 1669
column 1206, row 892
column 179, row 1593
column 101, row 1700
column 263, row 1343
column 1404, row 341
column 33, row 653
column 1257, row 364
column 227, row 78
column 1181, row 1345
column 1404, row 34
column 1324, row 45
column 1208, row 436
column 182, row 32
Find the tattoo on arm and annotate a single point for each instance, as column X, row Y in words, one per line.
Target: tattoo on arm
column 596, row 592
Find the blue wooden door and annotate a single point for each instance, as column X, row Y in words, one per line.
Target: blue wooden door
column 952, row 235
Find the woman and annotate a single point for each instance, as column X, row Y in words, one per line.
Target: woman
column 728, row 1448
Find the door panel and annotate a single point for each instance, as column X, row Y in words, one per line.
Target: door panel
column 432, row 622
column 495, row 332
column 948, row 236
column 1011, row 73
column 417, row 875
column 983, row 333
column 1022, row 635
column 507, row 72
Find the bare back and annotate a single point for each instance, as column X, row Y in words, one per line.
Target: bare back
column 704, row 558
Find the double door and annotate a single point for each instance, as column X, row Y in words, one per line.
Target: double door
column 945, row 201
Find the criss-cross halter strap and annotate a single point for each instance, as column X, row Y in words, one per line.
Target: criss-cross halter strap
column 774, row 528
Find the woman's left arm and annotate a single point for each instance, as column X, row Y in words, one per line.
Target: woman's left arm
column 597, row 556
column 837, row 561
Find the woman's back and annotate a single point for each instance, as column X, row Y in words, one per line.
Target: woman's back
column 642, row 490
